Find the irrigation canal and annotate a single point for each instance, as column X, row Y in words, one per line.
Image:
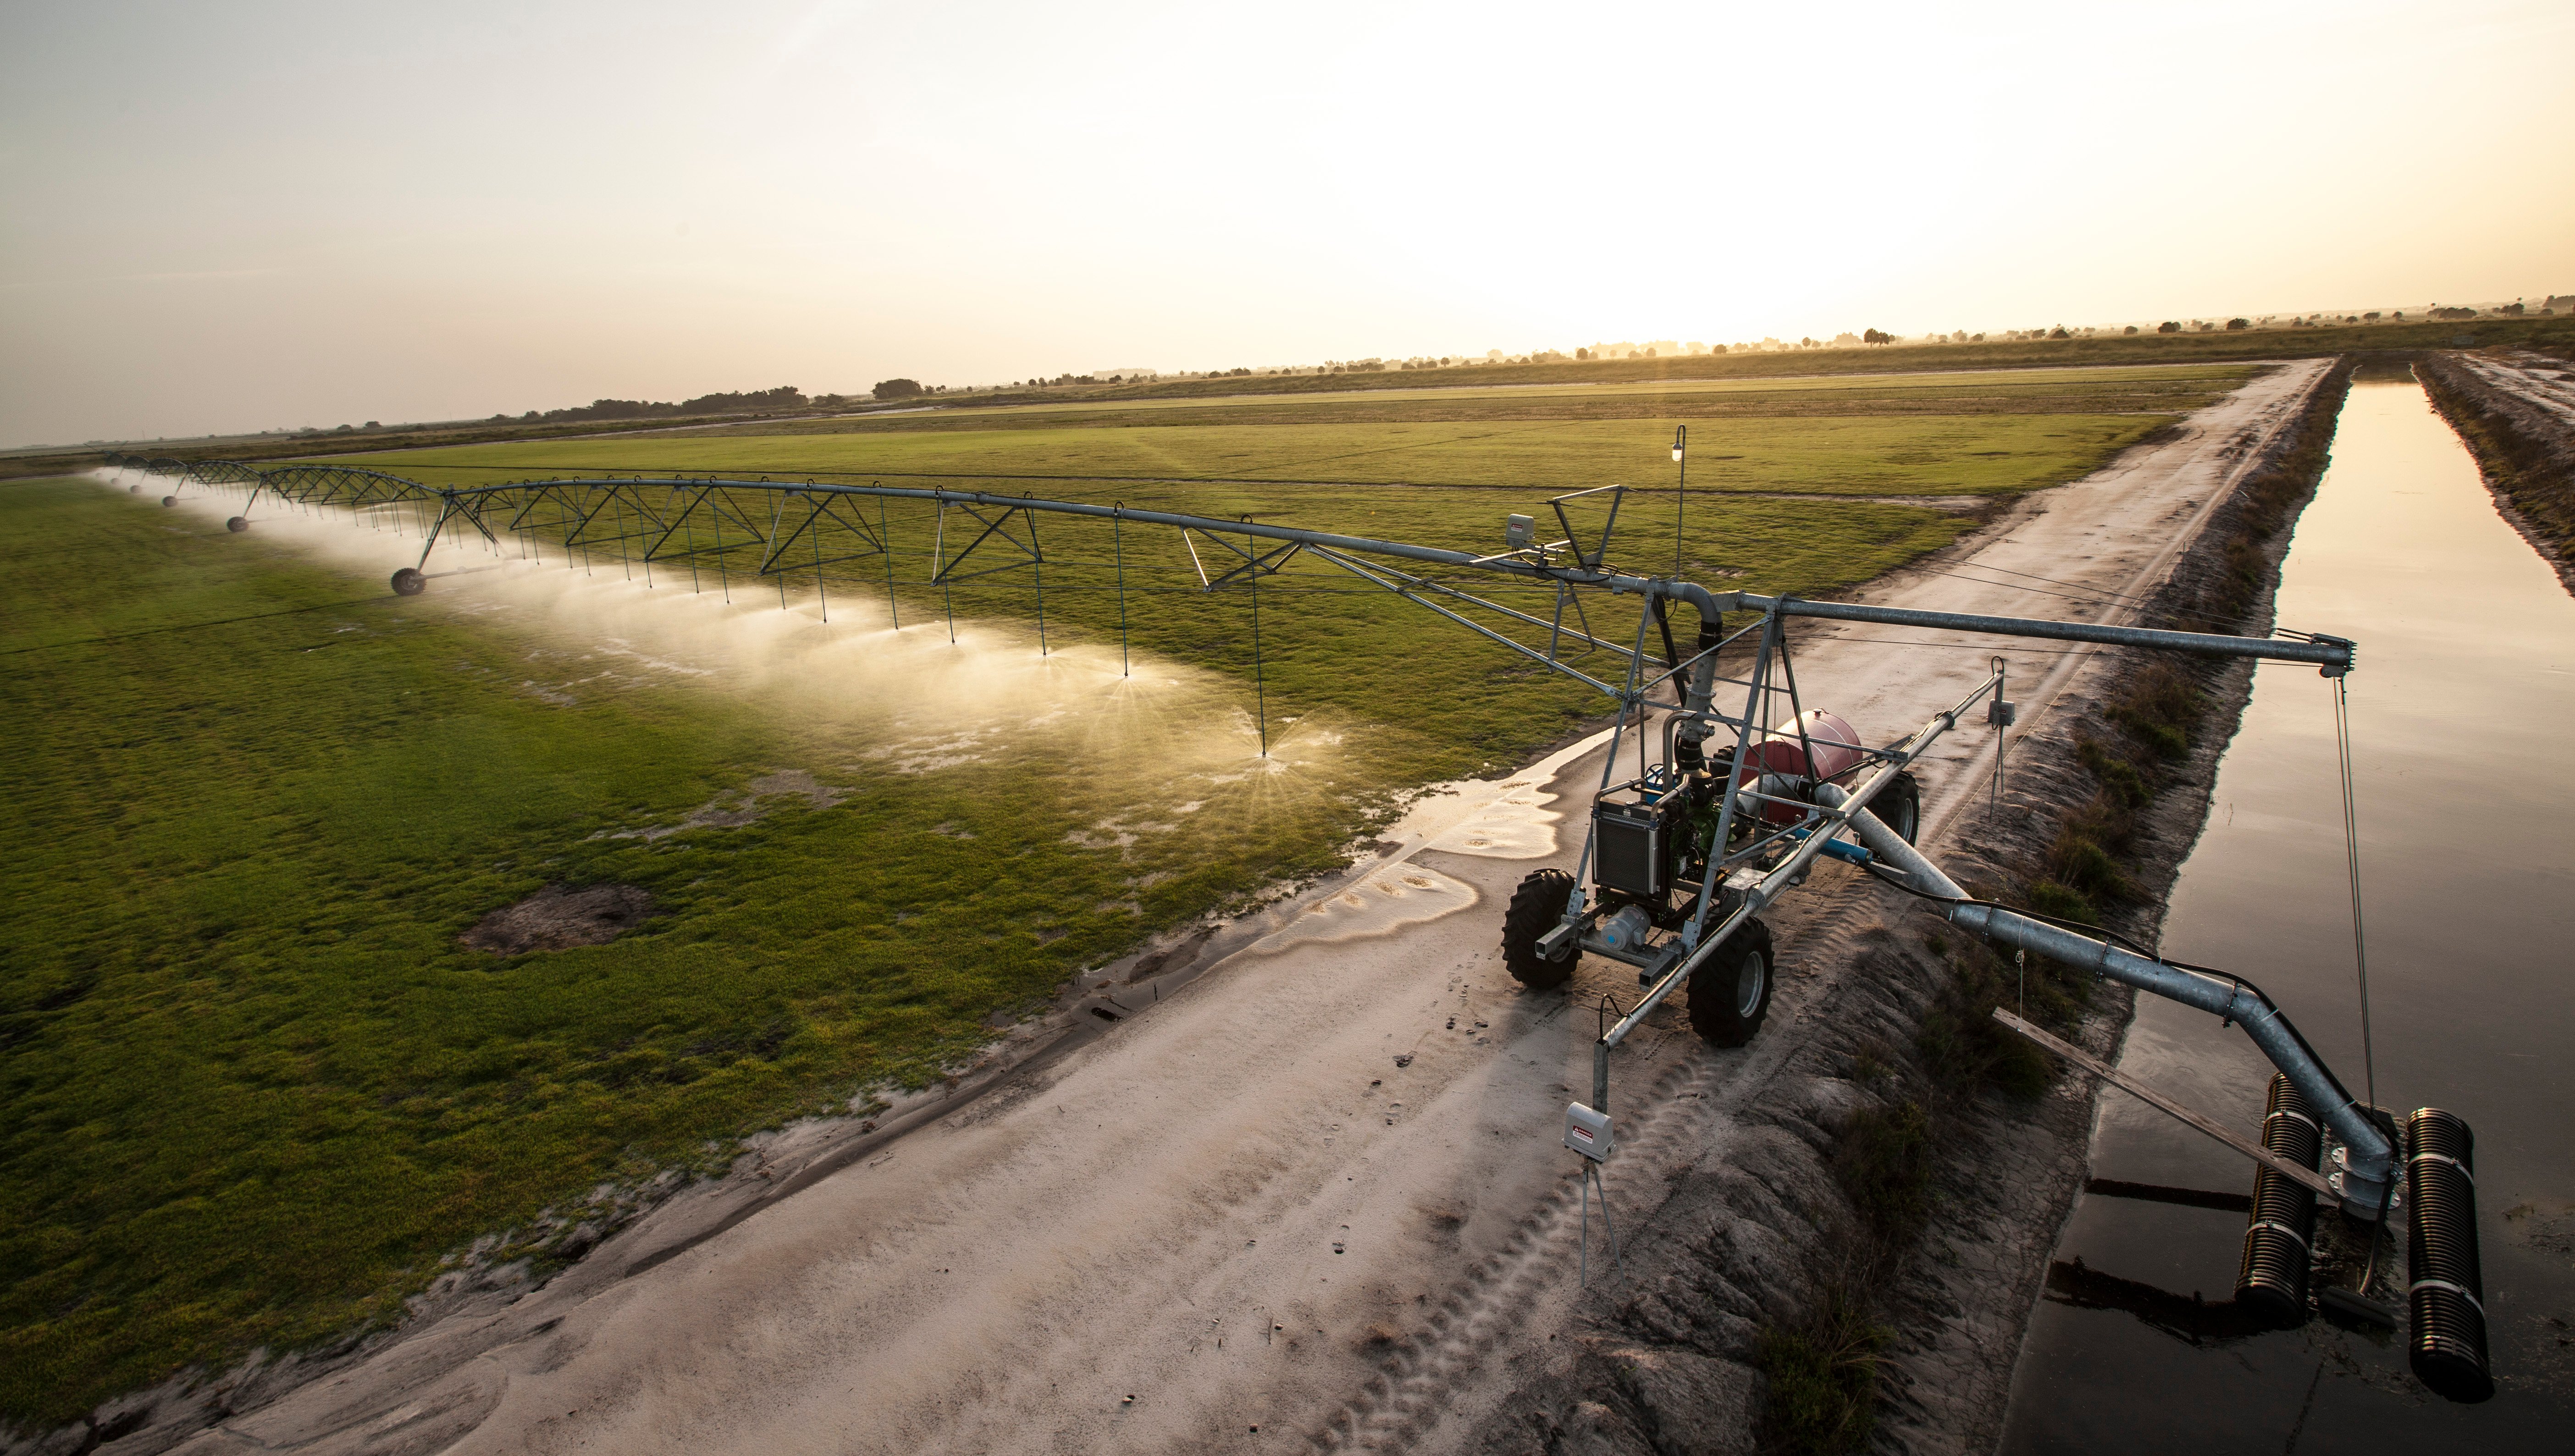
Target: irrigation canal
column 2461, row 712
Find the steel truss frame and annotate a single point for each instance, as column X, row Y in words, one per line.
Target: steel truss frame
column 781, row 527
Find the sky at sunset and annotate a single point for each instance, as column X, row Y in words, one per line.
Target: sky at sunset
column 245, row 215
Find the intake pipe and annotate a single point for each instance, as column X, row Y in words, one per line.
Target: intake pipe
column 2445, row 1298
column 2280, row 1237
column 2369, row 1156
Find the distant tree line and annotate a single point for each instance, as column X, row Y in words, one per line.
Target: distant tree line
column 785, row 397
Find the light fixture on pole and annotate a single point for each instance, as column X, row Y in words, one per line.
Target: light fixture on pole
column 1681, row 506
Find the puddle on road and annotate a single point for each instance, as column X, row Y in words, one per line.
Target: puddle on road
column 1517, row 825
column 1389, row 900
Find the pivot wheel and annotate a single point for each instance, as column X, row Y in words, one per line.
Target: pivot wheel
column 1730, row 997
column 410, row 583
column 169, row 500
column 1899, row 807
column 237, row 523
column 1538, row 906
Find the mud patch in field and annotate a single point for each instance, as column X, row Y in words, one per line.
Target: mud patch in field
column 558, row 918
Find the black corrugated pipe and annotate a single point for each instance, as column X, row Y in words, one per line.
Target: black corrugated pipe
column 2279, row 1240
column 2446, row 1295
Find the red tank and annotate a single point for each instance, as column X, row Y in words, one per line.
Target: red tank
column 1836, row 753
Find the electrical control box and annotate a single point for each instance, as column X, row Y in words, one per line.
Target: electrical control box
column 1588, row 1132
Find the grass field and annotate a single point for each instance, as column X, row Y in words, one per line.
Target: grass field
column 1850, row 454
column 259, row 1087
column 1785, row 372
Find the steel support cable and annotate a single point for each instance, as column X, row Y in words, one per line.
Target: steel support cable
column 2351, row 856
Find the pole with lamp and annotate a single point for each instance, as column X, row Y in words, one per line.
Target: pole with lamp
column 1680, row 451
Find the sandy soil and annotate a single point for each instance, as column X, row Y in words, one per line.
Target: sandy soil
column 2547, row 384
column 1307, row 1188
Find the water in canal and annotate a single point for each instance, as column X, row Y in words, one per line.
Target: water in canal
column 2463, row 715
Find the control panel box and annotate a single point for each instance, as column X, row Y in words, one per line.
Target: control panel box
column 1588, row 1133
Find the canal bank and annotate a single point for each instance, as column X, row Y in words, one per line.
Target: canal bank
column 2466, row 678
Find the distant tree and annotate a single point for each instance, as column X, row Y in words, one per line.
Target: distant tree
column 2167, row 327
column 1716, row 349
column 2238, row 325
column 2058, row 333
column 1649, row 351
column 1876, row 336
column 898, row 389
column 2132, row 328
column 1581, row 354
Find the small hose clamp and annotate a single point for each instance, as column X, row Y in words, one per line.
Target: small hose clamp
column 2282, row 1228
column 2442, row 1157
column 2453, row 1288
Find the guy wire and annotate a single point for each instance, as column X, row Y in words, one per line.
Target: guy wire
column 2351, row 856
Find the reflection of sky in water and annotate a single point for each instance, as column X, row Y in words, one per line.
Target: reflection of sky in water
column 2461, row 710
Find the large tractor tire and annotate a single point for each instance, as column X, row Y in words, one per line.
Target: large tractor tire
column 1731, row 995
column 410, row 583
column 1899, row 807
column 1538, row 906
column 237, row 523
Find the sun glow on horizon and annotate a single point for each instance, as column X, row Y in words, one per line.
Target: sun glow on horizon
column 296, row 215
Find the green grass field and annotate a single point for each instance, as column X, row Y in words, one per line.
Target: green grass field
column 259, row 1087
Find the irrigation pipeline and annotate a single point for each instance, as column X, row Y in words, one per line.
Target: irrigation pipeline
column 664, row 513
column 793, row 527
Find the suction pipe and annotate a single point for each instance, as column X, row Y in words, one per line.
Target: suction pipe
column 2370, row 1156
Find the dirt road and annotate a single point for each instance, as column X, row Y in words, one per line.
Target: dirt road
column 1314, row 1193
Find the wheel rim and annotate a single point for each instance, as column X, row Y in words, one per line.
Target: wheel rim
column 1749, row 984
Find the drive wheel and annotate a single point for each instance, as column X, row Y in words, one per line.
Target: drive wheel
column 410, row 583
column 237, row 524
column 1538, row 906
column 1899, row 807
column 1730, row 997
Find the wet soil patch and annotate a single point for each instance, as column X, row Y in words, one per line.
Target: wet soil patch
column 557, row 918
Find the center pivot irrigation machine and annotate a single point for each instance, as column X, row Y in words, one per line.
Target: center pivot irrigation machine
column 1724, row 814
